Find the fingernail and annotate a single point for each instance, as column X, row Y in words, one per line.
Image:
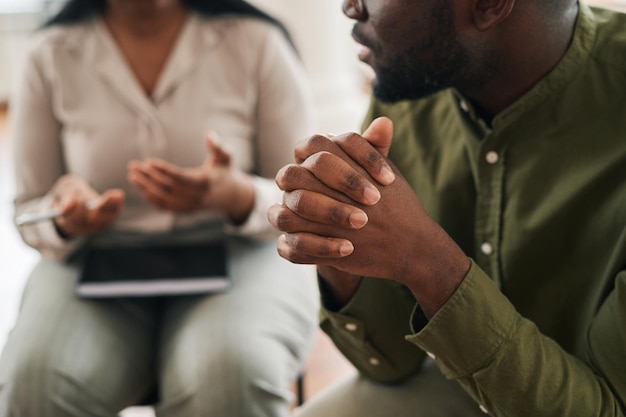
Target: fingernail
column 346, row 249
column 387, row 175
column 371, row 195
column 358, row 219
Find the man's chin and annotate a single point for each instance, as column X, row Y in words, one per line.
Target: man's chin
column 391, row 93
column 387, row 94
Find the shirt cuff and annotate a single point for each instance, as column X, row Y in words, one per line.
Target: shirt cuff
column 467, row 332
column 370, row 329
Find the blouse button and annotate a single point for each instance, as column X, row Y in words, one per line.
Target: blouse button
column 486, row 248
column 374, row 361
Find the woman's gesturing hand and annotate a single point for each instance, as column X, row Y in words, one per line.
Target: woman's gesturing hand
column 214, row 185
column 85, row 212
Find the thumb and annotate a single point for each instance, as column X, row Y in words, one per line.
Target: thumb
column 220, row 155
column 379, row 134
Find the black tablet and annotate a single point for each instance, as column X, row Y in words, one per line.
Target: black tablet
column 154, row 271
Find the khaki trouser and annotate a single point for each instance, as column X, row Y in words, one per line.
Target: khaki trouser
column 428, row 394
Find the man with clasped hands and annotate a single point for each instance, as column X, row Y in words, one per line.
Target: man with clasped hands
column 471, row 243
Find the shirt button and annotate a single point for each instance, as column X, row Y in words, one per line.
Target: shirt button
column 351, row 327
column 431, row 355
column 374, row 362
column 483, row 409
column 486, row 248
column 464, row 106
column 492, row 157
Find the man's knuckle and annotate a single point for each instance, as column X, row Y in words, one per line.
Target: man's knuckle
column 296, row 200
column 310, row 145
column 336, row 215
column 283, row 220
column 287, row 175
column 318, row 158
column 354, row 181
column 291, row 248
column 352, row 137
column 318, row 141
column 374, row 158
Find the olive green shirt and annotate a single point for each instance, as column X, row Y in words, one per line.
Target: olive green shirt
column 538, row 201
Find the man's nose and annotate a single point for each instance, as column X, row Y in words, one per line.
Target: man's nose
column 354, row 9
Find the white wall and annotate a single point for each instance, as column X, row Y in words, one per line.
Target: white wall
column 318, row 27
column 14, row 30
column 18, row 19
column 322, row 34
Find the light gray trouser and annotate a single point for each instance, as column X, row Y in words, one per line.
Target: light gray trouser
column 227, row 355
column 428, row 394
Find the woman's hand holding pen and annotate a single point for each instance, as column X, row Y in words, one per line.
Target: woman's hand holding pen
column 84, row 211
column 215, row 184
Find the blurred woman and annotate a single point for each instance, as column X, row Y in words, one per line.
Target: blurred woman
column 158, row 122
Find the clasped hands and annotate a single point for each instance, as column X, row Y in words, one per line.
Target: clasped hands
column 213, row 185
column 346, row 207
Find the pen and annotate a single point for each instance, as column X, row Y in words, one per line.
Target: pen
column 32, row 218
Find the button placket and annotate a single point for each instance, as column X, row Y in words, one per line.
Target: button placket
column 489, row 206
column 153, row 140
column 486, row 248
column 144, row 135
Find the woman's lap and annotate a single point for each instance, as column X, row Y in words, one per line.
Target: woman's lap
column 109, row 351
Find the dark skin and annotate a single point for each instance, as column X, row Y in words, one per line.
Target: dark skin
column 342, row 209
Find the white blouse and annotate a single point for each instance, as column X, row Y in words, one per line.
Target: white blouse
column 81, row 110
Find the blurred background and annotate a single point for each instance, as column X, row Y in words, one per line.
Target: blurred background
column 319, row 29
column 339, row 83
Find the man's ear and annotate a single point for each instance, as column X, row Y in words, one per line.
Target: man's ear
column 490, row 13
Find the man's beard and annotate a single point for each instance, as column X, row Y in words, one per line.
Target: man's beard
column 409, row 75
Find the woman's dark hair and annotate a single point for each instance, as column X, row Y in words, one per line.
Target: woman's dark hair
column 76, row 11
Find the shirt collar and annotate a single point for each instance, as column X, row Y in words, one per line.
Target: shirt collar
column 577, row 53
